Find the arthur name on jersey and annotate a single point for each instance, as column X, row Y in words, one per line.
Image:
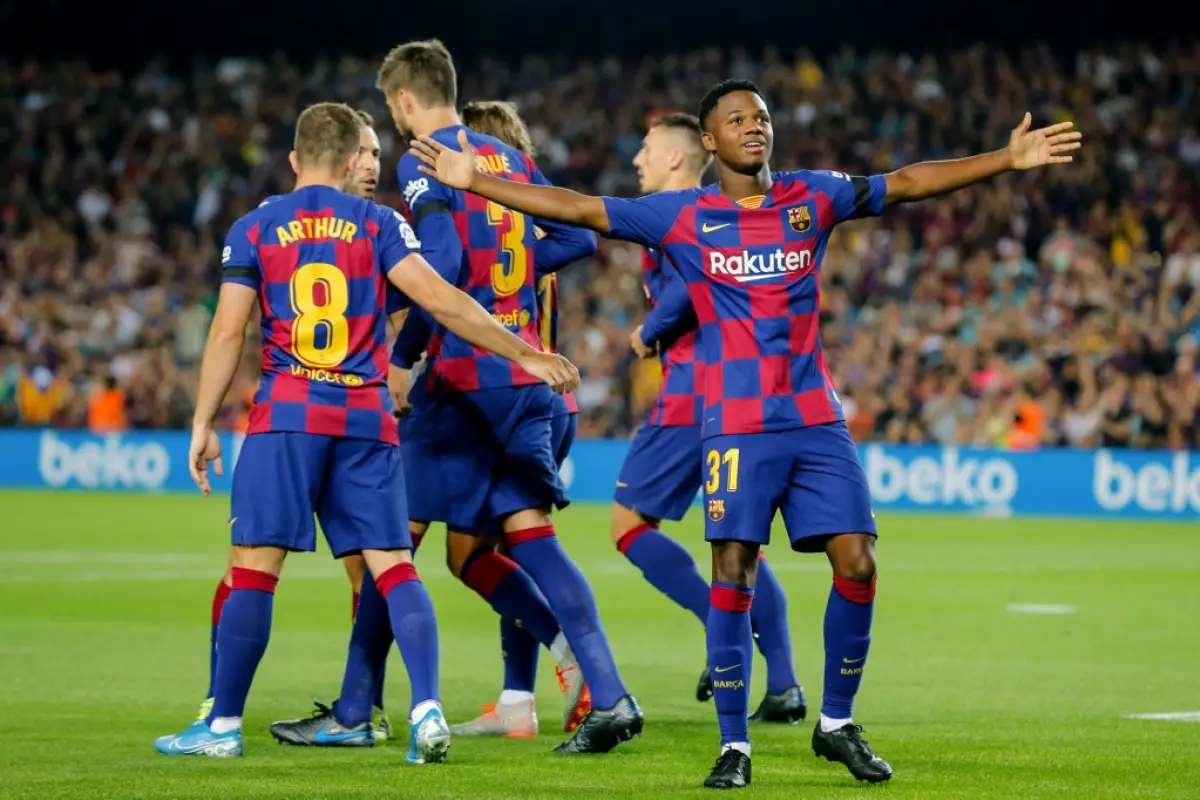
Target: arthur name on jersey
column 316, row 229
column 745, row 267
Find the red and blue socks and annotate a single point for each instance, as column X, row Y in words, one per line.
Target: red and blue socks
column 218, row 603
column 525, row 617
column 570, row 598
column 370, row 639
column 730, row 656
column 414, row 627
column 847, row 640
column 768, row 617
column 668, row 567
column 242, row 637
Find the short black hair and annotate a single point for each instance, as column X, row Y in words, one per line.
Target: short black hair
column 714, row 95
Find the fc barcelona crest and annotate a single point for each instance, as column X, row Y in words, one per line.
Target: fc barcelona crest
column 716, row 509
column 799, row 218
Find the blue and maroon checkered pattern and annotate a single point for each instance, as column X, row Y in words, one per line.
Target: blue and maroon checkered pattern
column 681, row 399
column 548, row 324
column 345, row 399
column 498, row 246
column 752, row 271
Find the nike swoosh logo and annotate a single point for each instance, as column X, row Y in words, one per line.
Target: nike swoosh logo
column 323, row 736
column 232, row 521
column 706, row 228
column 621, row 484
column 719, row 670
column 853, row 660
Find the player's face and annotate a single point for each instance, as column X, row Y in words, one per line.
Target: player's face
column 365, row 176
column 739, row 132
column 652, row 162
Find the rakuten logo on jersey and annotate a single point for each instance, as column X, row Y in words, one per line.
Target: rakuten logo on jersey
column 108, row 463
column 746, row 267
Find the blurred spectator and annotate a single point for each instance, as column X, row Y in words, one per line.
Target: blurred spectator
column 1057, row 308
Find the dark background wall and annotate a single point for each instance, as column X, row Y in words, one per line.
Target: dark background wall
column 130, row 32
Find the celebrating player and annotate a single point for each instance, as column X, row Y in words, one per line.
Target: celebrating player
column 322, row 438
column 502, row 472
column 361, row 183
column 474, row 560
column 749, row 248
column 514, row 715
column 662, row 471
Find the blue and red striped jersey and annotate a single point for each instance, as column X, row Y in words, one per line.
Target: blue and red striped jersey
column 497, row 261
column 680, row 401
column 752, row 271
column 548, row 324
column 318, row 259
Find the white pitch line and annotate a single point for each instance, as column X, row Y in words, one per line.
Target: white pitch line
column 1170, row 716
column 1040, row 608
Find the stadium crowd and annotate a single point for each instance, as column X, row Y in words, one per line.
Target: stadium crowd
column 1056, row 307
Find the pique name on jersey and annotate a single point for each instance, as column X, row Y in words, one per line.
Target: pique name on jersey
column 745, row 267
column 312, row 229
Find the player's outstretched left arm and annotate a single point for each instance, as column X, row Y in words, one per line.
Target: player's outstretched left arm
column 457, row 169
column 222, row 355
column 1026, row 149
column 460, row 313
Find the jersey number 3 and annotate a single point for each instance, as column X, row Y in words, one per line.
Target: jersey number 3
column 510, row 277
column 320, row 297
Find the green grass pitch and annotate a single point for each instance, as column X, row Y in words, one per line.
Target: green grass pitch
column 103, row 646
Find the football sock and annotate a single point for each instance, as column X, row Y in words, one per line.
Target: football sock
column 730, row 654
column 668, row 567
column 829, row 725
column 381, row 675
column 354, row 606
column 415, row 628
column 570, row 597
column 225, row 725
column 218, row 602
column 370, row 640
column 768, row 616
column 847, row 639
column 242, row 637
column 511, row 592
column 520, row 651
column 509, row 697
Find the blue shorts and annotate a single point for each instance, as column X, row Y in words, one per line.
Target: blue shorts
column 563, row 427
column 479, row 456
column 812, row 475
column 662, row 471
column 355, row 487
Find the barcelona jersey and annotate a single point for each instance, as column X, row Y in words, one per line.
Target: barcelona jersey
column 318, row 259
column 752, row 271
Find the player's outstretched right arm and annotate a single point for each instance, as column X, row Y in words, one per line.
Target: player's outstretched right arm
column 462, row 315
column 457, row 169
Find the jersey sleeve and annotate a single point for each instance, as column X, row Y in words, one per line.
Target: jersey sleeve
column 412, row 339
column 429, row 205
column 853, row 196
column 673, row 315
column 396, row 240
column 239, row 258
column 644, row 220
column 562, row 244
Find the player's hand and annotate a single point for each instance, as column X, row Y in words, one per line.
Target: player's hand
column 454, row 168
column 640, row 348
column 206, row 447
column 1052, row 145
column 398, row 383
column 553, row 369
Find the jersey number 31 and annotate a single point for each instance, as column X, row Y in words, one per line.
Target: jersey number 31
column 320, row 296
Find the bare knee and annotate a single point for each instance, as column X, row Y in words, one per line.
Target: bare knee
column 356, row 568
column 852, row 557
column 735, row 563
column 625, row 520
column 259, row 559
column 459, row 548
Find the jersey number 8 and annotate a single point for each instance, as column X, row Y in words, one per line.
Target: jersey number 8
column 320, row 296
column 508, row 279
